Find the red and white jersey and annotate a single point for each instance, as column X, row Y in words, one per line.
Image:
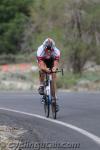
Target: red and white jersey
column 43, row 54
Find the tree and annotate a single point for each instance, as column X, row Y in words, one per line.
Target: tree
column 13, row 17
column 82, row 33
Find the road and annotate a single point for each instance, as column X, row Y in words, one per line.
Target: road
column 78, row 120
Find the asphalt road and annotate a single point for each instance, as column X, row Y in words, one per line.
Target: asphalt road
column 78, row 121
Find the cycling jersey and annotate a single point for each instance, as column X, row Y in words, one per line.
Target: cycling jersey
column 43, row 54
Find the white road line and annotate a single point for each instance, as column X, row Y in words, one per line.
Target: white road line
column 93, row 137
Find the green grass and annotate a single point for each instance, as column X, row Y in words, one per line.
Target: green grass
column 19, row 58
column 19, row 80
column 67, row 81
column 91, row 76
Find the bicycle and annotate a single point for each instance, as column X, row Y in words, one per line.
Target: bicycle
column 48, row 90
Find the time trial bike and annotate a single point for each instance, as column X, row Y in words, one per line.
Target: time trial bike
column 50, row 103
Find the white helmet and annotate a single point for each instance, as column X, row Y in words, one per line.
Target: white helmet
column 49, row 43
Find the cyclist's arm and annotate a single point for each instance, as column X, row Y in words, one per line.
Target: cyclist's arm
column 56, row 63
column 56, row 59
column 42, row 66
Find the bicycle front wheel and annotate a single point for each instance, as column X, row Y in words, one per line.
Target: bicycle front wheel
column 47, row 107
column 54, row 112
column 53, row 101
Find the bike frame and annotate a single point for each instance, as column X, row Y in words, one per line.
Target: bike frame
column 48, row 94
column 48, row 88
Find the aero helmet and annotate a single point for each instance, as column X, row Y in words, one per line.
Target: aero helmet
column 49, row 44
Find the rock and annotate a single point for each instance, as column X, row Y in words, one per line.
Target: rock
column 9, row 136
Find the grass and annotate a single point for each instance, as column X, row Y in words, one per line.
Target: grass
column 19, row 80
column 67, row 81
column 15, row 59
column 70, row 80
column 91, row 76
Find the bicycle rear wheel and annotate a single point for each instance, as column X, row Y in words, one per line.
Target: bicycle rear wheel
column 46, row 107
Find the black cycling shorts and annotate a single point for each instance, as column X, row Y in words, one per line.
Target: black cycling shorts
column 49, row 62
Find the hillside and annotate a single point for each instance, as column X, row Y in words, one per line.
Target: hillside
column 74, row 25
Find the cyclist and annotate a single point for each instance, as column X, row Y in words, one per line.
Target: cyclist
column 48, row 56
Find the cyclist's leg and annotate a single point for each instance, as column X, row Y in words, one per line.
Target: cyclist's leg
column 41, row 79
column 54, row 90
column 53, row 86
column 41, row 65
